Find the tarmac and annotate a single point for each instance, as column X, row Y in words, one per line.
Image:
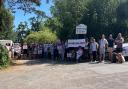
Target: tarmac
column 34, row 74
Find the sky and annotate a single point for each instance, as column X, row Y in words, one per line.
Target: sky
column 21, row 17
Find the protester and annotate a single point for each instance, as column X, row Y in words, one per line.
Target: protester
column 12, row 51
column 55, row 53
column 119, row 41
column 119, row 57
column 8, row 46
column 110, row 47
column 39, row 51
column 90, row 51
column 30, row 50
column 86, row 49
column 73, row 57
column 48, row 52
column 35, row 51
column 25, row 50
column 69, row 55
column 61, row 51
column 79, row 54
column 103, row 43
column 94, row 48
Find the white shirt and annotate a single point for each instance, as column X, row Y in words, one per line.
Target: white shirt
column 102, row 43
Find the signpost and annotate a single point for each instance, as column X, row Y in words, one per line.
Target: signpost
column 81, row 29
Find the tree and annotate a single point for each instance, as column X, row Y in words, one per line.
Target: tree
column 69, row 14
column 22, row 31
column 4, row 58
column 44, row 36
column 101, row 17
column 26, row 5
column 122, row 18
column 6, row 24
column 36, row 22
column 53, row 23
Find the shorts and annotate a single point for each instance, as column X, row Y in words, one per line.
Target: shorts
column 102, row 51
column 110, row 49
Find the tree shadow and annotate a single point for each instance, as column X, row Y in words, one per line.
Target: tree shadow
column 40, row 62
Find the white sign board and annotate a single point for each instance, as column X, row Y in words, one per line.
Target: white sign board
column 81, row 29
column 76, row 42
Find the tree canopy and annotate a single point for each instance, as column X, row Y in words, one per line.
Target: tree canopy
column 101, row 17
column 44, row 36
column 6, row 24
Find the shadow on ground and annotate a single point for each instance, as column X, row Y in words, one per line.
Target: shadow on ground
column 41, row 61
column 49, row 62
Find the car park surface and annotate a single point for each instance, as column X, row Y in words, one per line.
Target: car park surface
column 34, row 74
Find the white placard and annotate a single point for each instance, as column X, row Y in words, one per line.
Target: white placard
column 76, row 42
column 81, row 29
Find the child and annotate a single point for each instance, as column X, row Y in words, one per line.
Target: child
column 79, row 54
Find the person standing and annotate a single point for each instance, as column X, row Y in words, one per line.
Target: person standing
column 110, row 46
column 8, row 46
column 79, row 54
column 119, row 41
column 90, row 51
column 61, row 51
column 55, row 53
column 25, row 50
column 103, row 43
column 86, row 48
column 94, row 48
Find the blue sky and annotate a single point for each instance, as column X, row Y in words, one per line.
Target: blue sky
column 20, row 17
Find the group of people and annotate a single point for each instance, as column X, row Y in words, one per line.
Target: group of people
column 96, row 51
column 93, row 51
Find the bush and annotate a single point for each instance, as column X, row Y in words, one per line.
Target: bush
column 4, row 58
column 45, row 36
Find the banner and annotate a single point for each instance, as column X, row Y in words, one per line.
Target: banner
column 76, row 42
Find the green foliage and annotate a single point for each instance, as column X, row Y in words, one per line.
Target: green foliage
column 4, row 58
column 22, row 31
column 44, row 36
column 69, row 14
column 101, row 17
column 6, row 24
column 53, row 23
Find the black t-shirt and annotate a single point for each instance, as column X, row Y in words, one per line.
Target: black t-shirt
column 110, row 42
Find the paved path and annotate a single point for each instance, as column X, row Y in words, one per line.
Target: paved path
column 36, row 75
